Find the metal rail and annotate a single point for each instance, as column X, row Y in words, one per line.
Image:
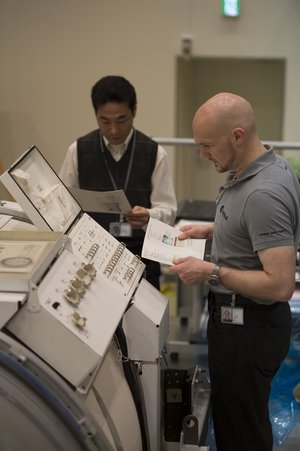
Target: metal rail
column 290, row 145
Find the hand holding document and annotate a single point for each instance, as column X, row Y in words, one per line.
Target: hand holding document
column 102, row 201
column 161, row 244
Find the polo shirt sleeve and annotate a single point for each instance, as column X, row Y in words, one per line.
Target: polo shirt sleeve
column 269, row 218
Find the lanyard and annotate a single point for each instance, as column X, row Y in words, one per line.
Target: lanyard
column 129, row 165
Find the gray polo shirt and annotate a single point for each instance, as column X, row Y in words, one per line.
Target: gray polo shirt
column 258, row 210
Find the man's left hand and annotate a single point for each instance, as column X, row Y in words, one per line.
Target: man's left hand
column 191, row 270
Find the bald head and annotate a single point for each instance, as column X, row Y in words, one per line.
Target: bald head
column 225, row 129
column 225, row 112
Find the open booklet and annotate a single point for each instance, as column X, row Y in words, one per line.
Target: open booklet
column 161, row 243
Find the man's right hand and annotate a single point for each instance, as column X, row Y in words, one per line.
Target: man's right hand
column 204, row 231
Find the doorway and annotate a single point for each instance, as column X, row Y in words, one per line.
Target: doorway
column 261, row 81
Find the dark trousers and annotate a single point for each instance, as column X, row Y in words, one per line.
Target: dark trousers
column 243, row 359
column 152, row 272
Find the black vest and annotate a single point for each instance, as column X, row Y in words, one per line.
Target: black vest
column 93, row 175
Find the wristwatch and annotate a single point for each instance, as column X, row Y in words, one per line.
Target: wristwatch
column 214, row 278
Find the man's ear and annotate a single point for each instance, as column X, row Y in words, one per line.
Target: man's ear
column 239, row 135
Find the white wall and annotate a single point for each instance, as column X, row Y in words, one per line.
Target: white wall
column 52, row 52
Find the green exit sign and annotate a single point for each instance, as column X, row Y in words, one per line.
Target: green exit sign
column 231, row 8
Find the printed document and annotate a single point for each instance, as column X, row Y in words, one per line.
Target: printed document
column 102, row 201
column 161, row 244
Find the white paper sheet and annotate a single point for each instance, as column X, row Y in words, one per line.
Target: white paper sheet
column 102, row 201
column 162, row 245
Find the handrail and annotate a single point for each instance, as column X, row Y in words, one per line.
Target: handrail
column 190, row 142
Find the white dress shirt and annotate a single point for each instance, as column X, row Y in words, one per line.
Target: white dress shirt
column 162, row 198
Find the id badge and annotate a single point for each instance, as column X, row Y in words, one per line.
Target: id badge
column 232, row 315
column 120, row 229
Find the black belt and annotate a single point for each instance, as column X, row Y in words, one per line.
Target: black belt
column 239, row 300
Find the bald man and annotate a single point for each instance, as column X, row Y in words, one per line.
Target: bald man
column 255, row 237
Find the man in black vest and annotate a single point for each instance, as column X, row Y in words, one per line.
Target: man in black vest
column 117, row 156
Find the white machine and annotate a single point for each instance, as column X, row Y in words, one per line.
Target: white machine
column 80, row 327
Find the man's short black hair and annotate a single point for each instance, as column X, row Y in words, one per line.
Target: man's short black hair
column 113, row 88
